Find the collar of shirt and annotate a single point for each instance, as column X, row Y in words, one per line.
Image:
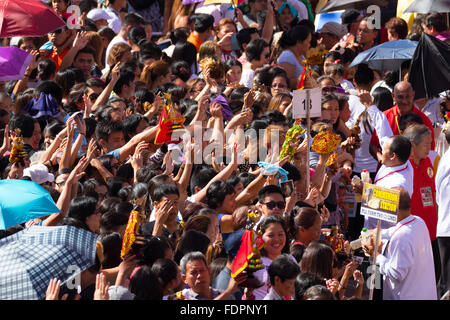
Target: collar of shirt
column 384, row 171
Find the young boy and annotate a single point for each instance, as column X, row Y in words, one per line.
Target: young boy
column 282, row 273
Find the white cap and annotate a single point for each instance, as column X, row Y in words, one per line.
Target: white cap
column 38, row 173
column 98, row 14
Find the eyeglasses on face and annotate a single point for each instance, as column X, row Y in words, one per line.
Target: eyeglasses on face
column 272, row 204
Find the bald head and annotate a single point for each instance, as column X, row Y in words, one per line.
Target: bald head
column 403, row 96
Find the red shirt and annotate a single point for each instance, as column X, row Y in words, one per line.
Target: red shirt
column 423, row 203
column 392, row 116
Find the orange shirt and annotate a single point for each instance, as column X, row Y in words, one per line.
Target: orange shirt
column 57, row 58
column 195, row 41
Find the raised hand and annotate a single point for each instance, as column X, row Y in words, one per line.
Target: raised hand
column 101, row 288
column 53, row 290
column 81, row 40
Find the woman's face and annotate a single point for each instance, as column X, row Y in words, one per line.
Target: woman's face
column 234, row 74
column 275, row 239
column 332, row 107
column 305, row 45
column 28, row 46
column 93, row 222
column 229, row 203
column 226, row 28
column 286, row 16
column 279, row 84
column 59, row 5
column 284, row 104
column 422, row 149
column 313, row 232
column 48, row 139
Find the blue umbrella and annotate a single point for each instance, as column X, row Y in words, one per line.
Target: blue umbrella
column 387, row 56
column 22, row 200
column 30, row 258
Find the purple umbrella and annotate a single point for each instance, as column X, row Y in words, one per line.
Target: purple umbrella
column 187, row 2
column 13, row 63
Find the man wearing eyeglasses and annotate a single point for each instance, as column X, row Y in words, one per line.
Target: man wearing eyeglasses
column 271, row 201
column 61, row 40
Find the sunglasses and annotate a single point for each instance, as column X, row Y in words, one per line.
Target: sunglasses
column 58, row 31
column 272, row 204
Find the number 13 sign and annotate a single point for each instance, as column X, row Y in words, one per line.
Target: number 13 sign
column 299, row 103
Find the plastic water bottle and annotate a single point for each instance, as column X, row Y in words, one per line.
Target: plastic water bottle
column 365, row 235
column 365, row 176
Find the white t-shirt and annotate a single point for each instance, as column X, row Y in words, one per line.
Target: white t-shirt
column 116, row 39
column 218, row 11
column 247, row 78
column 442, row 181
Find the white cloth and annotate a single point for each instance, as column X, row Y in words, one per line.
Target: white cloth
column 392, row 177
column 442, row 181
column 380, row 83
column 407, row 263
column 247, row 78
column 432, row 110
column 378, row 122
column 301, row 9
column 114, row 22
column 218, row 11
column 116, row 39
column 347, row 85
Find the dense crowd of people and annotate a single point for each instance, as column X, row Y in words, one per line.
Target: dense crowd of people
column 91, row 110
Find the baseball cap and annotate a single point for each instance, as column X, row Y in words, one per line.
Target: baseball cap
column 38, row 173
column 98, row 14
column 334, row 28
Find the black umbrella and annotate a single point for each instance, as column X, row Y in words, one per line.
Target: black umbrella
column 429, row 73
column 421, row 6
column 335, row 5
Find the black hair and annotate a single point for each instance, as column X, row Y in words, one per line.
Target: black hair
column 335, row 55
column 190, row 241
column 216, row 193
column 145, row 285
column 405, row 119
column 436, row 20
column 145, row 174
column 24, row 122
column 318, row 292
column 177, row 93
column 164, row 190
column 363, row 75
column 166, row 270
column 305, row 281
column 79, row 209
column 66, row 80
column 149, row 50
column 52, row 88
column 244, row 36
column 401, row 146
column 246, row 178
column 125, row 78
column 179, row 35
column 131, row 123
column 114, row 184
column 284, row 268
column 203, row 22
column 104, row 129
column 181, row 69
column 136, row 34
column 382, row 98
column 290, row 37
column 46, row 68
column 255, row 48
column 265, row 191
column 112, row 246
column 185, row 51
column 154, row 248
column 201, row 175
column 266, row 222
column 132, row 19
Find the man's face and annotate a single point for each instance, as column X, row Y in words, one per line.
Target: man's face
column 60, row 181
column 172, row 200
column 422, row 149
column 120, row 107
column 271, row 205
column 59, row 37
column 115, row 141
column 285, row 288
column 365, row 35
column 197, row 276
column 404, row 98
column 85, row 62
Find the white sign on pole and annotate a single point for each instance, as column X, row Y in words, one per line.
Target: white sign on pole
column 300, row 104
